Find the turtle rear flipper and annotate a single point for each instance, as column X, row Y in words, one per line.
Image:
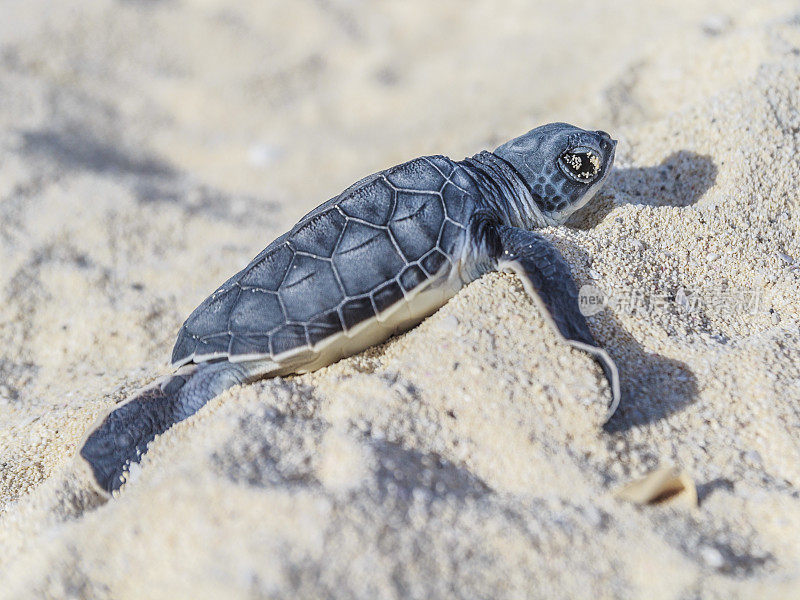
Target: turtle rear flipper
column 120, row 437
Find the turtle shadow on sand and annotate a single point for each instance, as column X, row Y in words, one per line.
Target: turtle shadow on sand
column 679, row 180
column 652, row 386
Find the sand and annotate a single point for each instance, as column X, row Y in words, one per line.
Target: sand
column 149, row 149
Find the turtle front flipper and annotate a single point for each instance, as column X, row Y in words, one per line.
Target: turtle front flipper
column 120, row 437
column 547, row 278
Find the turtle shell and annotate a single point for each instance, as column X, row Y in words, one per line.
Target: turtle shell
column 345, row 263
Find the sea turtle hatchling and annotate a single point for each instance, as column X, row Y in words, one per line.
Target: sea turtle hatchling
column 371, row 262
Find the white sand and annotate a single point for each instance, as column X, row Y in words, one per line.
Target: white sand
column 148, row 150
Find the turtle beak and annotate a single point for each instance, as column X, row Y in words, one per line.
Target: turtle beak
column 605, row 139
column 608, row 145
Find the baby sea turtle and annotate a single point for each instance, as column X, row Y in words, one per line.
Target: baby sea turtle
column 371, row 262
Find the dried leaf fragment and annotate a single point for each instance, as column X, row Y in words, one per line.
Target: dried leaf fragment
column 665, row 485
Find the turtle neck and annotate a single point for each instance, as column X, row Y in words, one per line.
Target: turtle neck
column 504, row 191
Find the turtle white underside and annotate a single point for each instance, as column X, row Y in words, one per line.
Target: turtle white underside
column 418, row 304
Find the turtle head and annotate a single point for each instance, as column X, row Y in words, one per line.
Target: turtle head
column 562, row 165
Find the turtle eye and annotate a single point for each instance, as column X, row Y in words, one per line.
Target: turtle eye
column 582, row 164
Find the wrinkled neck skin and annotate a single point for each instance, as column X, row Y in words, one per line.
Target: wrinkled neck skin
column 504, row 192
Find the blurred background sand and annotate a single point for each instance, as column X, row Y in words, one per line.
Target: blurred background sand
column 149, row 149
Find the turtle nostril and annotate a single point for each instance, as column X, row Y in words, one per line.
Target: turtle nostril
column 606, row 141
